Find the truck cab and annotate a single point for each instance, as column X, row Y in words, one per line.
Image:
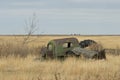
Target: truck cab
column 59, row 47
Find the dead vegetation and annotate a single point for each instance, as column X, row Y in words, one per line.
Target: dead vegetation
column 70, row 69
column 13, row 67
column 17, row 50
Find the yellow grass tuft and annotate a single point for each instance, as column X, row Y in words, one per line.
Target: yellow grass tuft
column 71, row 69
column 12, row 68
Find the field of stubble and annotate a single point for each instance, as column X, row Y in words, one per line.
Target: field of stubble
column 13, row 67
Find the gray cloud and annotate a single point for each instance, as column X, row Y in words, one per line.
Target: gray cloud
column 59, row 15
column 99, row 4
column 93, row 1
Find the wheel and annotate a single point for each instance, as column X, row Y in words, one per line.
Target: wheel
column 86, row 43
column 102, row 54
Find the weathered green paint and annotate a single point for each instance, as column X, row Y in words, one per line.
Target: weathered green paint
column 59, row 50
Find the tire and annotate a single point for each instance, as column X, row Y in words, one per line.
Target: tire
column 86, row 43
column 102, row 54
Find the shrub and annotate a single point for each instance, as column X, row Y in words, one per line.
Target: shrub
column 17, row 50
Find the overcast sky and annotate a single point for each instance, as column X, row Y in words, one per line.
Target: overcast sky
column 61, row 16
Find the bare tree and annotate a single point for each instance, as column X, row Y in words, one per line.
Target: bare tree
column 31, row 26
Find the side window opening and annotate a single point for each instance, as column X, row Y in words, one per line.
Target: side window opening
column 67, row 45
column 50, row 47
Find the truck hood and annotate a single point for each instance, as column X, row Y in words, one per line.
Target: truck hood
column 86, row 53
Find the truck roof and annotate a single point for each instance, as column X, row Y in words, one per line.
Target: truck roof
column 63, row 40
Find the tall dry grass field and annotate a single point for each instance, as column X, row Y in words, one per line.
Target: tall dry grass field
column 13, row 67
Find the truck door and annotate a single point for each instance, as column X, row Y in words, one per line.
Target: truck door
column 50, row 50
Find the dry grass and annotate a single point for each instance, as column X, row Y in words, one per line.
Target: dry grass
column 70, row 69
column 12, row 68
column 107, row 41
